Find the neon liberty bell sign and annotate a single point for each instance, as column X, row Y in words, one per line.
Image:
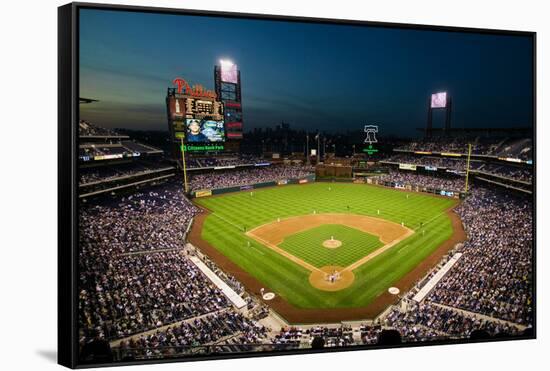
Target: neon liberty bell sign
column 371, row 131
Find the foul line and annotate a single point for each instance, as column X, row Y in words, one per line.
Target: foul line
column 252, row 247
column 284, row 253
column 227, row 221
column 431, row 220
column 375, row 253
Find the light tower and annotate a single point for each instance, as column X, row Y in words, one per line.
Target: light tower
column 440, row 100
column 227, row 80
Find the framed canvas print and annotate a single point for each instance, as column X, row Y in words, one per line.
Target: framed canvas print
column 236, row 185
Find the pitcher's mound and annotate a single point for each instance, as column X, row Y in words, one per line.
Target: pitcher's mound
column 332, row 244
column 331, row 278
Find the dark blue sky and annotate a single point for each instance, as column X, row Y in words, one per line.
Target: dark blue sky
column 316, row 76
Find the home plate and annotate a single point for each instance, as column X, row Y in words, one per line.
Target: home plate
column 393, row 290
column 268, row 296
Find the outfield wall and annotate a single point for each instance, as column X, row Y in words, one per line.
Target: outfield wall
column 312, row 179
column 281, row 182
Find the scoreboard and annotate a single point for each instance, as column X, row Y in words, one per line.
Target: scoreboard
column 194, row 114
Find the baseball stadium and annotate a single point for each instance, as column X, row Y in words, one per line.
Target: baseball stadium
column 218, row 234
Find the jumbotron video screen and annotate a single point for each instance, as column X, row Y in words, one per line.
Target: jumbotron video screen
column 235, row 198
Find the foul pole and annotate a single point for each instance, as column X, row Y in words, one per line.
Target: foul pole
column 468, row 167
column 185, row 186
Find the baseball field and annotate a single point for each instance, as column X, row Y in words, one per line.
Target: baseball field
column 324, row 246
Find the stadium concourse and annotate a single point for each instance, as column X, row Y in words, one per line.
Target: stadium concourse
column 143, row 295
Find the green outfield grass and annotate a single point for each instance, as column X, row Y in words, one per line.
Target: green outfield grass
column 308, row 245
column 233, row 213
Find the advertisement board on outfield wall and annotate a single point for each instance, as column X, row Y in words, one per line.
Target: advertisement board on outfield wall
column 203, row 193
column 407, row 167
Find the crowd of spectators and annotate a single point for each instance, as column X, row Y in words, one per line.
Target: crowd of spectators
column 428, row 322
column 236, row 160
column 508, row 171
column 124, row 290
column 135, row 277
column 451, row 144
column 500, row 147
column 288, row 336
column 490, row 286
column 340, row 336
column 493, row 276
column 138, row 292
column 242, row 177
column 226, row 327
column 424, row 181
column 154, row 219
column 524, row 174
column 370, row 333
column 439, row 162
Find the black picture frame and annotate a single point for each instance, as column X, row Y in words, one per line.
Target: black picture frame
column 68, row 116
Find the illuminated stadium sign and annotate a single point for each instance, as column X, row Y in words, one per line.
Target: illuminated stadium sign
column 204, row 147
column 371, row 131
column 439, row 100
column 370, row 138
column 370, row 150
column 229, row 72
column 196, row 90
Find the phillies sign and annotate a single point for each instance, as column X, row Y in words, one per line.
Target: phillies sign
column 195, row 90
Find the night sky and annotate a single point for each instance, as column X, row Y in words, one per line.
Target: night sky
column 314, row 76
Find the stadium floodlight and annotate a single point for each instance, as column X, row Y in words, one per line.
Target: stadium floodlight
column 439, row 100
column 228, row 71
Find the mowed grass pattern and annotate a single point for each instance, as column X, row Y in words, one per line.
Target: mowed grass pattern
column 308, row 245
column 231, row 213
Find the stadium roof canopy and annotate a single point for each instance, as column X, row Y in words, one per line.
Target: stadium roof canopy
column 82, row 100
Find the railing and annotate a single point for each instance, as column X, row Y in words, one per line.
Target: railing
column 127, row 354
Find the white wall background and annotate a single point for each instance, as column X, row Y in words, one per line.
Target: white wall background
column 28, row 155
